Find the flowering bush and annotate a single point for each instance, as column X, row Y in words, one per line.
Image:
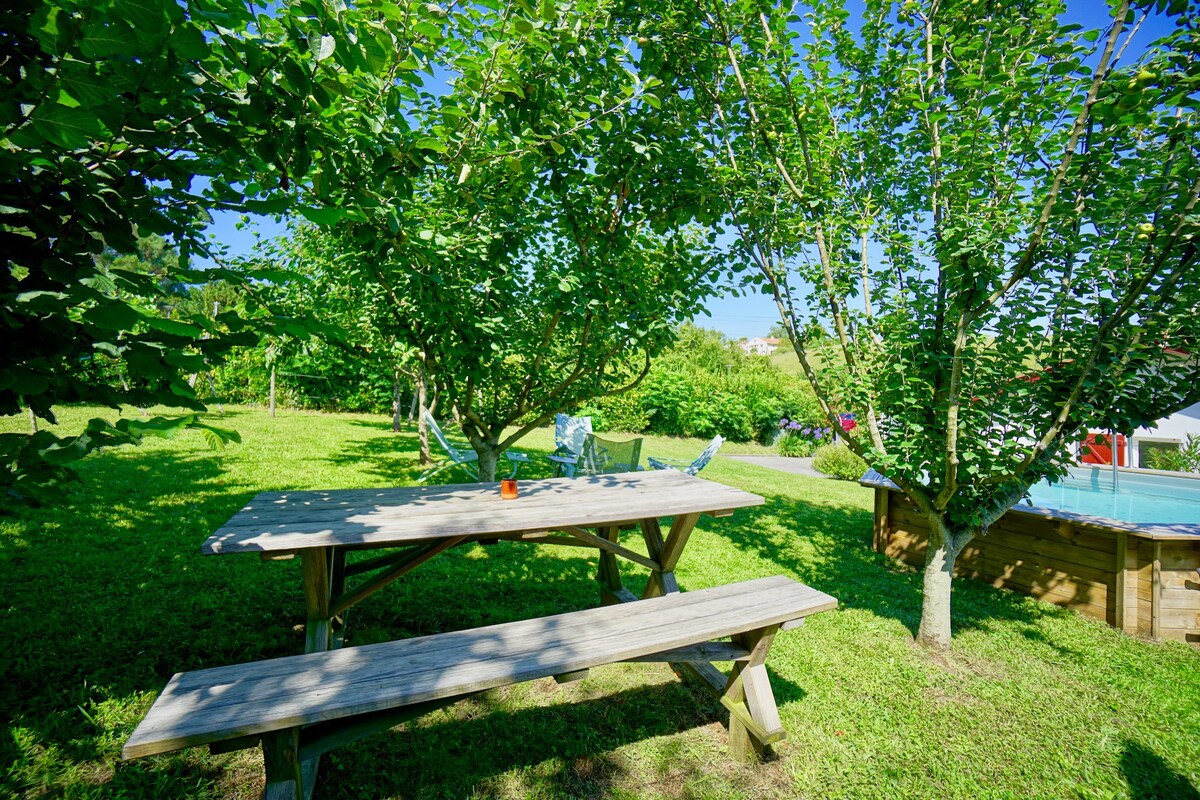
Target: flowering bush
column 799, row 439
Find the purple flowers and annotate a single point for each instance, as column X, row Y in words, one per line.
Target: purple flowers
column 795, row 427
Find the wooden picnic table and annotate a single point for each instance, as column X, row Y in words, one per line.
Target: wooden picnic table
column 418, row 523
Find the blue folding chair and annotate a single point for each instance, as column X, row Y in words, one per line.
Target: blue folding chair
column 683, row 466
column 460, row 454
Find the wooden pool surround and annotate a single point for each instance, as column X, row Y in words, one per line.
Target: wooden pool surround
column 1142, row 579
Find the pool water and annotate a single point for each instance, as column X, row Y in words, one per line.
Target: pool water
column 1140, row 497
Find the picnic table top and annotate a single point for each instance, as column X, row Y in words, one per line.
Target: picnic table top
column 288, row 521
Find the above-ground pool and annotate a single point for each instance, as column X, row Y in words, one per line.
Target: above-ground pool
column 1140, row 496
column 1130, row 558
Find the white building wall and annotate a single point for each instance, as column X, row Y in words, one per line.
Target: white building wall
column 1174, row 428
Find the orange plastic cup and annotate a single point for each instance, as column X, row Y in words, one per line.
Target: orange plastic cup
column 508, row 489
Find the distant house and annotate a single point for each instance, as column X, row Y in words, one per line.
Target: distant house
column 1167, row 434
column 759, row 346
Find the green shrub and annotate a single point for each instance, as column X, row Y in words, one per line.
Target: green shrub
column 1185, row 459
column 623, row 413
column 837, row 461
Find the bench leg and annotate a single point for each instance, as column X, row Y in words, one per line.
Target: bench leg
column 754, row 722
column 288, row 778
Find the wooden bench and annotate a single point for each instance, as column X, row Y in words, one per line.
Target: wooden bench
column 299, row 707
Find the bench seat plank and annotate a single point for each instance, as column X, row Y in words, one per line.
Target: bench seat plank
column 246, row 699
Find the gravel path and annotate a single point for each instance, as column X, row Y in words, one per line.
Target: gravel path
column 796, row 466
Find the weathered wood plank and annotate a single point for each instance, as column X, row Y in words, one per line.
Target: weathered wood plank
column 882, row 520
column 294, row 520
column 608, row 545
column 709, row 676
column 378, row 562
column 315, row 566
column 281, row 758
column 707, row 651
column 681, row 530
column 1156, row 609
column 227, row 702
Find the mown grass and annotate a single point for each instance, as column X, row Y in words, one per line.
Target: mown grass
column 105, row 595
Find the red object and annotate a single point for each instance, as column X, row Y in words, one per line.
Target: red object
column 1097, row 449
column 508, row 489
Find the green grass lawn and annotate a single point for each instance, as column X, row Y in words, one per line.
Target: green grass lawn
column 105, row 595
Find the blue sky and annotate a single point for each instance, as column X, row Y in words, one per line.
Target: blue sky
column 737, row 317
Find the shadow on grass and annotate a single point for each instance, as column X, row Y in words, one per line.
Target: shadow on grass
column 1150, row 778
column 570, row 744
column 108, row 595
column 395, row 458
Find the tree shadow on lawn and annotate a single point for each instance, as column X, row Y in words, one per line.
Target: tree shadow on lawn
column 1150, row 778
column 565, row 746
column 829, row 547
column 396, row 459
column 108, row 595
column 112, row 596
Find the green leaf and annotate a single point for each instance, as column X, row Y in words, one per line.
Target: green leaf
column 523, row 26
column 147, row 15
column 324, row 215
column 45, row 27
column 174, row 327
column 114, row 316
column 88, row 89
column 429, row 143
column 428, row 30
column 101, row 39
column 72, row 128
column 28, row 297
column 188, row 42
column 324, row 47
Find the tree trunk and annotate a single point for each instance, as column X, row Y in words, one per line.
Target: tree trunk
column 940, row 557
column 489, row 455
column 396, row 402
column 422, row 428
column 271, row 401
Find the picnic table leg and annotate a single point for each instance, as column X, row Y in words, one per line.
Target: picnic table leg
column 317, row 565
column 666, row 553
column 337, row 585
column 324, row 570
column 612, row 591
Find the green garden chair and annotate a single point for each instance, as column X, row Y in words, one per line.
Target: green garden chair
column 601, row 456
column 460, row 454
column 682, row 466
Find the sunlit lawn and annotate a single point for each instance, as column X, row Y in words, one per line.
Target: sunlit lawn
column 106, row 595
